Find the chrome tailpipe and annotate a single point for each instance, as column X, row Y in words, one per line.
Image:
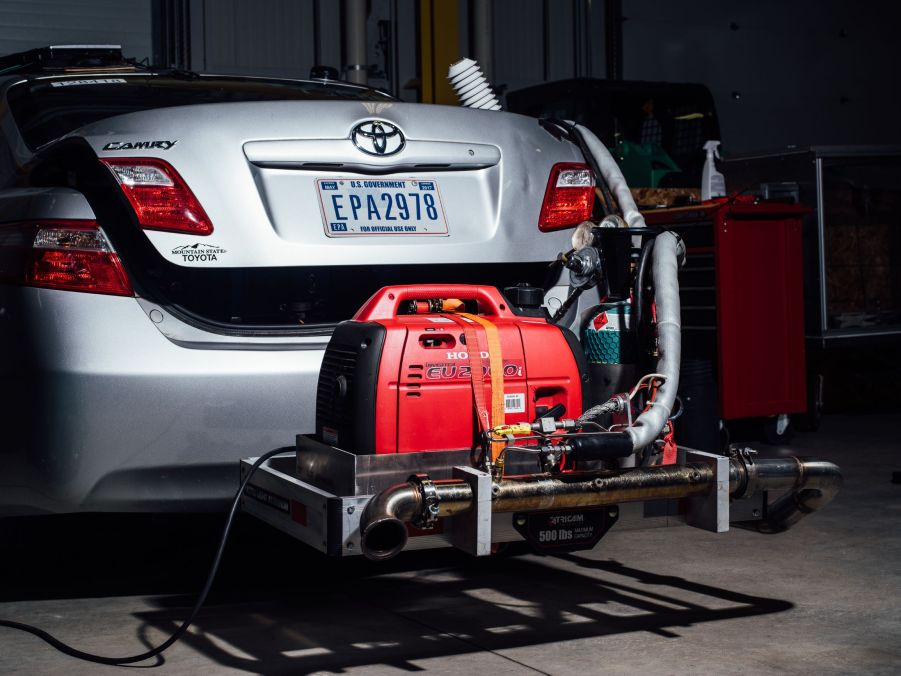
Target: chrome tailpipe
column 809, row 484
column 383, row 524
column 419, row 501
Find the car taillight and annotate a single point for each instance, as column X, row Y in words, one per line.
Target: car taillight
column 57, row 254
column 569, row 197
column 159, row 196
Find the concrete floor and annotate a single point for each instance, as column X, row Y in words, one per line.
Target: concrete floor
column 824, row 598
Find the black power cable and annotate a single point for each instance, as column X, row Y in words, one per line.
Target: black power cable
column 178, row 633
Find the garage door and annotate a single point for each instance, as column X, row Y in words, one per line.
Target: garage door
column 35, row 23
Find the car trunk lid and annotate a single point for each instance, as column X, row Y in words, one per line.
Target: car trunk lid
column 257, row 169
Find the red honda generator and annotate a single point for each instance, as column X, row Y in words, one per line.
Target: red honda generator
column 397, row 378
column 458, row 416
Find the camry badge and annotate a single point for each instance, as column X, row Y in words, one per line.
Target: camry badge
column 375, row 137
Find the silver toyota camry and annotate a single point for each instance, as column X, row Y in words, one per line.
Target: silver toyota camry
column 175, row 250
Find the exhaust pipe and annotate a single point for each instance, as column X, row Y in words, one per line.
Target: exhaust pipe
column 383, row 524
column 419, row 501
column 810, row 484
column 666, row 256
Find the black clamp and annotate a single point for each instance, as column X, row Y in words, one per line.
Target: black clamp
column 428, row 515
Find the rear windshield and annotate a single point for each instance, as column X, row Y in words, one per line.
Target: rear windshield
column 48, row 108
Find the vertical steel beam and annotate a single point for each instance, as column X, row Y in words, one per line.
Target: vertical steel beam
column 578, row 20
column 172, row 33
column 613, row 38
column 481, row 31
column 586, row 47
column 355, row 41
column 426, row 53
column 439, row 46
column 394, row 75
column 545, row 40
column 821, row 248
column 317, row 35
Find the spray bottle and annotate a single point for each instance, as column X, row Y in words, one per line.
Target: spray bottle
column 712, row 182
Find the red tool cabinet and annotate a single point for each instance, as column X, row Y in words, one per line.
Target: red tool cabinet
column 743, row 300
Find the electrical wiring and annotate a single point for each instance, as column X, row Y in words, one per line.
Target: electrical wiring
column 561, row 435
column 178, row 633
column 649, row 376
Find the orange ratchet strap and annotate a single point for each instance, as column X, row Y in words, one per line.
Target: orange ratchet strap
column 496, row 371
column 474, row 350
column 496, row 366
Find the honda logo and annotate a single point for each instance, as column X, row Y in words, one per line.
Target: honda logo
column 375, row 137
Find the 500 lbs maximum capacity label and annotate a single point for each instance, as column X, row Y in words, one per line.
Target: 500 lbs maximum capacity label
column 566, row 530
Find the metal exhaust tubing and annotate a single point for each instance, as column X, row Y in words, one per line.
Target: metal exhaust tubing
column 809, row 484
column 383, row 524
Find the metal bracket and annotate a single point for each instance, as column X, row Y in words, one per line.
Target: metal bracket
column 711, row 511
column 471, row 530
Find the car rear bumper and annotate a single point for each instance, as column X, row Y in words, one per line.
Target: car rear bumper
column 103, row 412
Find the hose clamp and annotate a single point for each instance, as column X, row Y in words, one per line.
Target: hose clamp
column 428, row 515
column 745, row 456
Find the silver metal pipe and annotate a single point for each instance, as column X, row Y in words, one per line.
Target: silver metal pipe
column 613, row 176
column 668, row 251
column 667, row 254
column 383, row 524
column 590, row 489
column 809, row 484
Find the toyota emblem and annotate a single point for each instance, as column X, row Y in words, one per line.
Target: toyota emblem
column 375, row 137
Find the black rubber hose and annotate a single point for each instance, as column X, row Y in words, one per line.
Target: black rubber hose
column 604, row 446
column 553, row 271
column 641, row 274
column 178, row 633
column 564, row 308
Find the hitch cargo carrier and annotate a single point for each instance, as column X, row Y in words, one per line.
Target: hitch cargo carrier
column 326, row 497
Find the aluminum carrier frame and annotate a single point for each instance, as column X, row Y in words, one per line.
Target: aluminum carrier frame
column 318, row 495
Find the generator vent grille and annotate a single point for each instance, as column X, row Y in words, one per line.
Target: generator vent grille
column 337, row 373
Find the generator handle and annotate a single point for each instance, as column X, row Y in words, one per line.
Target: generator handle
column 385, row 302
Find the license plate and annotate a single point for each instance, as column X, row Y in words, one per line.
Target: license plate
column 353, row 207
